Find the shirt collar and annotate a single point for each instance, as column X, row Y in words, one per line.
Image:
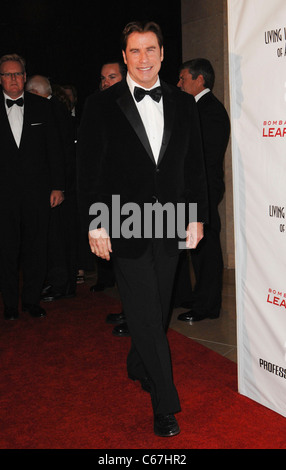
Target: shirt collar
column 132, row 84
column 202, row 93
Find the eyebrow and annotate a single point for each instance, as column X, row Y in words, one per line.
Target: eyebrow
column 137, row 48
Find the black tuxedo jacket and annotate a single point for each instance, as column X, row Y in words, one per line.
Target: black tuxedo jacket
column 215, row 128
column 115, row 158
column 36, row 167
column 65, row 126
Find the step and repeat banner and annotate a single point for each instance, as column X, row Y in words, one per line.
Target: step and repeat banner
column 257, row 65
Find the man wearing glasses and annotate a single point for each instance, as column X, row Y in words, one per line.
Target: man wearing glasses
column 31, row 182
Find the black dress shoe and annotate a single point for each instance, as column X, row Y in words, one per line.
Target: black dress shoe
column 10, row 313
column 145, row 383
column 99, row 287
column 114, row 318
column 166, row 425
column 51, row 295
column 121, row 330
column 34, row 310
column 193, row 316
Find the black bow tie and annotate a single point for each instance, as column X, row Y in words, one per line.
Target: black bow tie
column 155, row 93
column 19, row 102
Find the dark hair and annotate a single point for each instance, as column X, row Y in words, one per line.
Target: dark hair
column 59, row 93
column 121, row 65
column 72, row 88
column 138, row 27
column 202, row 67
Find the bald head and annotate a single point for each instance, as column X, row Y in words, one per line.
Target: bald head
column 39, row 85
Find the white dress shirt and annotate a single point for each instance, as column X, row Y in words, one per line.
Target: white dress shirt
column 152, row 115
column 15, row 116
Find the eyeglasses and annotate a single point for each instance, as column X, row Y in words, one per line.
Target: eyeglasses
column 10, row 75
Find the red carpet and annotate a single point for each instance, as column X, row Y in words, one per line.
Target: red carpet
column 63, row 385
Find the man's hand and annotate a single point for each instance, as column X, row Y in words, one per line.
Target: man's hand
column 56, row 197
column 99, row 243
column 195, row 232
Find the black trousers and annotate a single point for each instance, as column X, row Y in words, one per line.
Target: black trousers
column 145, row 287
column 207, row 261
column 23, row 244
column 62, row 246
column 105, row 272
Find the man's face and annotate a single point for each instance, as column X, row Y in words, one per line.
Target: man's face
column 143, row 58
column 110, row 74
column 187, row 84
column 13, row 84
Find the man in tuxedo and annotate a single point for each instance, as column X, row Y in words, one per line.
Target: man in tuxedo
column 146, row 151
column 60, row 282
column 111, row 73
column 31, row 182
column 197, row 77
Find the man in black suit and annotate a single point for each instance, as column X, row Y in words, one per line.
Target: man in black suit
column 60, row 282
column 197, row 78
column 31, row 182
column 135, row 151
column 111, row 73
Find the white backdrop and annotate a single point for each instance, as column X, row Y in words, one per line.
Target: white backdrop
column 257, row 65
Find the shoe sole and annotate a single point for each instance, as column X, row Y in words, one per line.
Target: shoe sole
column 171, row 434
column 121, row 335
column 199, row 319
column 52, row 299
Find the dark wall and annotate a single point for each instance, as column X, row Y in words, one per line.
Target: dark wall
column 69, row 41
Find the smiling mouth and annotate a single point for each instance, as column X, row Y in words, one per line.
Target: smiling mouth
column 144, row 69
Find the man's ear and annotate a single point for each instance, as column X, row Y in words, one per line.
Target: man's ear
column 162, row 54
column 201, row 80
column 124, row 57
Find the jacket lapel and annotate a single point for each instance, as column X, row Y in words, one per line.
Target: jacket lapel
column 169, row 115
column 4, row 122
column 26, row 120
column 128, row 107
